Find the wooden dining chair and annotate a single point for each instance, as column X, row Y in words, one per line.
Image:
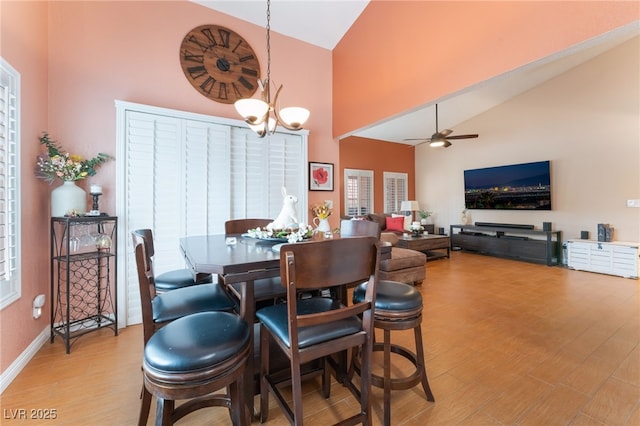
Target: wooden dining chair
column 359, row 228
column 265, row 290
column 159, row 309
column 240, row 226
column 170, row 280
column 190, row 354
column 314, row 328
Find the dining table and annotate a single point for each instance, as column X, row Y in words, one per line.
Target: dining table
column 241, row 260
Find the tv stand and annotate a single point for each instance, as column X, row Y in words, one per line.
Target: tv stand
column 520, row 242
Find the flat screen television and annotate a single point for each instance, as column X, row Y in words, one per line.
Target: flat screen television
column 524, row 186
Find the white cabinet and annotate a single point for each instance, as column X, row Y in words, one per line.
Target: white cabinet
column 616, row 258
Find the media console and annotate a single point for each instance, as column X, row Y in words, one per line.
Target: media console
column 513, row 241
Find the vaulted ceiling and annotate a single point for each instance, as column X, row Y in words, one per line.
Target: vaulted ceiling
column 324, row 22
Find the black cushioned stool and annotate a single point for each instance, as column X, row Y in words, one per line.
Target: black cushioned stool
column 194, row 356
column 180, row 278
column 398, row 307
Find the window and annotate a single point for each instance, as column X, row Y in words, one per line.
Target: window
column 9, row 185
column 358, row 193
column 395, row 191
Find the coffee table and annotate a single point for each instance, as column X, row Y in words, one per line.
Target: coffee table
column 428, row 244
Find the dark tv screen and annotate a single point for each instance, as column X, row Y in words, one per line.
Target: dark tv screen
column 524, row 186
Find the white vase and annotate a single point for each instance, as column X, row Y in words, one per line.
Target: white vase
column 68, row 197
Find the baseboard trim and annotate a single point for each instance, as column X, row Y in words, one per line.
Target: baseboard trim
column 18, row 365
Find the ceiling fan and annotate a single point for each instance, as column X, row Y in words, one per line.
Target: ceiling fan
column 441, row 138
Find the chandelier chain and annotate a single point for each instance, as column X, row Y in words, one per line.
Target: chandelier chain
column 268, row 80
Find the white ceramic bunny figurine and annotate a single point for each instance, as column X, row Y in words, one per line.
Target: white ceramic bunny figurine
column 287, row 215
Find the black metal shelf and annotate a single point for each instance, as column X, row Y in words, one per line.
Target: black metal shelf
column 83, row 276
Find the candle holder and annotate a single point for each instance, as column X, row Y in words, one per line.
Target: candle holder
column 96, row 192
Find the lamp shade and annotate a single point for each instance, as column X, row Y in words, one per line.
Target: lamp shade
column 294, row 116
column 409, row 206
column 252, row 110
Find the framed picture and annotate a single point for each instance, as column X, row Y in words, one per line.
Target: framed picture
column 320, row 176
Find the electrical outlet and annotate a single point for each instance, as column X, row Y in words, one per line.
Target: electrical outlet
column 633, row 203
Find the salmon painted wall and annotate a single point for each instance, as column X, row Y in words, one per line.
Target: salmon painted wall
column 379, row 156
column 402, row 54
column 26, row 51
column 100, row 51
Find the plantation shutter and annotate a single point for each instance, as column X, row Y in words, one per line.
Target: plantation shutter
column 186, row 174
column 358, row 192
column 10, row 285
column 395, row 191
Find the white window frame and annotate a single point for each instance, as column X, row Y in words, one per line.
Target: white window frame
column 10, row 236
column 350, row 174
column 400, row 184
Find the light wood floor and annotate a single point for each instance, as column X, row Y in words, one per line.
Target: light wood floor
column 507, row 343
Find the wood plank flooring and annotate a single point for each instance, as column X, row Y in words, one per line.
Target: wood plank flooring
column 507, row 343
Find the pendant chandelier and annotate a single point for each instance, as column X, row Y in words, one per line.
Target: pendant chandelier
column 257, row 113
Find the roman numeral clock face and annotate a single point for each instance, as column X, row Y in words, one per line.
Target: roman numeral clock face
column 219, row 63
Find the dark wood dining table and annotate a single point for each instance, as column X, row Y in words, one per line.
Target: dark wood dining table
column 243, row 262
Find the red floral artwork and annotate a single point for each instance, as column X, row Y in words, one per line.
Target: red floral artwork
column 320, row 176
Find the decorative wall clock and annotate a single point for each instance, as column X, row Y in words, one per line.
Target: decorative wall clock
column 219, row 63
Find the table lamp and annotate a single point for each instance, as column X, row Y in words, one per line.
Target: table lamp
column 410, row 206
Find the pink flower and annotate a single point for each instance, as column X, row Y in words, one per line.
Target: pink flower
column 320, row 176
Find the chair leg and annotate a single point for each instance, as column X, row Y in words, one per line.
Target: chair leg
column 238, row 410
column 326, row 379
column 264, row 371
column 387, row 377
column 421, row 363
column 296, row 390
column 145, row 406
column 164, row 409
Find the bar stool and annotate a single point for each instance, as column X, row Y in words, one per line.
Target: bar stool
column 194, row 356
column 398, row 307
column 170, row 280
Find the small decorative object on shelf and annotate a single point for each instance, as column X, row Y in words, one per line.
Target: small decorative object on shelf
column 96, row 192
column 464, row 217
column 57, row 164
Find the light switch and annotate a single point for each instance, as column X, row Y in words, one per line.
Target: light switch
column 633, row 203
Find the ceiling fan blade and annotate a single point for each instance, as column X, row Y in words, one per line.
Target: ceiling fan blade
column 463, row 136
column 447, row 144
column 445, row 132
column 418, row 139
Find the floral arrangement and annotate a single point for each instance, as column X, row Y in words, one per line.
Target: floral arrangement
column 302, row 232
column 67, row 167
column 321, row 211
column 415, row 227
column 424, row 214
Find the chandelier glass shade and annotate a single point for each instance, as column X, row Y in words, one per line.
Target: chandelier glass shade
column 257, row 113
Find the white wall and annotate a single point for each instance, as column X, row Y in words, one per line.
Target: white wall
column 586, row 121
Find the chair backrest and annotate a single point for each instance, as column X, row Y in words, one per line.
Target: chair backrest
column 147, row 290
column 240, row 226
column 359, row 228
column 144, row 237
column 329, row 264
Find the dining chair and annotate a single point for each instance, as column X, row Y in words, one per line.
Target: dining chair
column 398, row 306
column 359, row 228
column 159, row 309
column 173, row 279
column 191, row 356
column 315, row 328
column 265, row 290
column 240, row 226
